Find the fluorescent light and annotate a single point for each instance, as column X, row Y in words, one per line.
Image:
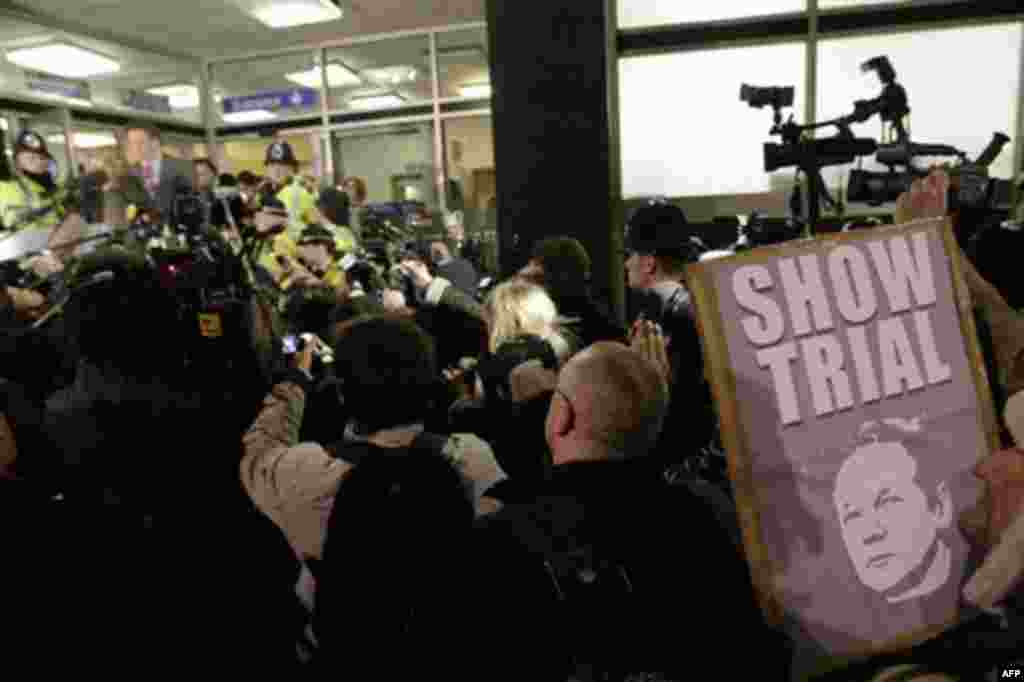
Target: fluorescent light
column 481, row 90
column 182, row 96
column 338, row 76
column 376, row 102
column 392, row 75
column 87, row 140
column 476, row 52
column 297, row 13
column 63, row 59
column 254, row 116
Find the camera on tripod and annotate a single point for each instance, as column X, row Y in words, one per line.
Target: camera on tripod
column 971, row 185
column 798, row 149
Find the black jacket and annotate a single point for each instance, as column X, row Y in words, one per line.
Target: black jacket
column 628, row 573
column 461, row 273
column 691, row 421
column 515, row 431
column 589, row 322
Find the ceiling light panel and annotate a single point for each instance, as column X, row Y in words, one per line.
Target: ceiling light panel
column 182, row 96
column 289, row 13
column 376, row 102
column 86, row 140
column 392, row 75
column 63, row 59
column 256, row 116
column 477, row 91
column 338, row 76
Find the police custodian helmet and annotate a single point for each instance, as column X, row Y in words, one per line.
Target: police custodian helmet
column 281, row 152
column 28, row 141
column 658, row 228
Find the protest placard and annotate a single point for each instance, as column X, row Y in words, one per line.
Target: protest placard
column 854, row 405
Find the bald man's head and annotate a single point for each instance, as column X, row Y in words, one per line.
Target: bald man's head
column 618, row 399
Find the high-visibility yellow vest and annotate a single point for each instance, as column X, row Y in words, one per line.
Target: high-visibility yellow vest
column 301, row 206
column 24, row 197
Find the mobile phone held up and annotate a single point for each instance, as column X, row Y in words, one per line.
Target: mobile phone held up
column 296, row 343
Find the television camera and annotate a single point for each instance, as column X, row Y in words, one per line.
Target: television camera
column 800, row 150
column 971, row 185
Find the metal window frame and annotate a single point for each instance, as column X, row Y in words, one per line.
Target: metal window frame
column 217, row 133
column 751, row 32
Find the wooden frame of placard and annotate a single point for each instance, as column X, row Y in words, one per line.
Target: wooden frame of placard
column 700, row 280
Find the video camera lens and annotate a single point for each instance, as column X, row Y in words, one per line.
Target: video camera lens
column 759, row 97
column 876, row 189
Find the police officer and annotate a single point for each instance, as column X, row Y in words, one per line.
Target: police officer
column 318, row 254
column 658, row 249
column 31, row 199
column 282, row 168
column 273, row 252
column 335, row 211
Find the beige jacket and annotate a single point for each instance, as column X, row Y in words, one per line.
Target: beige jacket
column 295, row 483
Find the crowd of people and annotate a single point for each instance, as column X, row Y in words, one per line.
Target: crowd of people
column 380, row 473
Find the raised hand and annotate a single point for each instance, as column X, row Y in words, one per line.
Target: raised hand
column 927, row 198
column 649, row 341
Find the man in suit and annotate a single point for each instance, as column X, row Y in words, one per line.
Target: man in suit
column 163, row 177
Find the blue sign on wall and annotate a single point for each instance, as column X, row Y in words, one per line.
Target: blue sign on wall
column 55, row 85
column 300, row 98
column 146, row 101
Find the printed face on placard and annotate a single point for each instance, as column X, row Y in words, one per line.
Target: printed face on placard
column 889, row 526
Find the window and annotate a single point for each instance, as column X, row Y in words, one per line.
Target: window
column 641, row 13
column 264, row 90
column 396, row 162
column 685, row 131
column 961, row 85
column 846, row 4
column 462, row 64
column 383, row 75
column 134, row 81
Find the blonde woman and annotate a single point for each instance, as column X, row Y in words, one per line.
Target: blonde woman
column 519, row 308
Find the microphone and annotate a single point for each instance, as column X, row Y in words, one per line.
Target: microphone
column 994, row 148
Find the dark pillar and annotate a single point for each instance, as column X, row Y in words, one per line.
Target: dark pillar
column 553, row 72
